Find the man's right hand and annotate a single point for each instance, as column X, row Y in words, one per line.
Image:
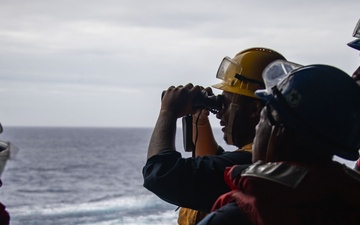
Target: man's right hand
column 178, row 100
column 200, row 117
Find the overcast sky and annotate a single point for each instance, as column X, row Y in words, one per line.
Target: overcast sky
column 105, row 63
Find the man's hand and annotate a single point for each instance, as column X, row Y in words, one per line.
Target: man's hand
column 177, row 100
column 200, row 117
column 175, row 103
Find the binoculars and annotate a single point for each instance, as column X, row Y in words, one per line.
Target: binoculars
column 213, row 103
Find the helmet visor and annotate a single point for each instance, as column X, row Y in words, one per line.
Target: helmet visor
column 274, row 73
column 228, row 69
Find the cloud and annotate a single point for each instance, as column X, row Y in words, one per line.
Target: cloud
column 62, row 51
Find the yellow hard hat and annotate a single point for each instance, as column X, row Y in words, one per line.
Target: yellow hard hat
column 243, row 73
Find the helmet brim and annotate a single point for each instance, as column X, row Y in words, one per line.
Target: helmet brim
column 263, row 94
column 355, row 44
column 235, row 90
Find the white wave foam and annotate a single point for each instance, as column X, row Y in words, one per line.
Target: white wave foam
column 137, row 210
column 163, row 218
column 128, row 203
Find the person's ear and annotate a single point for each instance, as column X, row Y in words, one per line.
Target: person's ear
column 274, row 148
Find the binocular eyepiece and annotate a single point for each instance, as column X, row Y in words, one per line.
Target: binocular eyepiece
column 213, row 103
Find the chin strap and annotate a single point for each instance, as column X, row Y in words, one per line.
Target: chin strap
column 229, row 129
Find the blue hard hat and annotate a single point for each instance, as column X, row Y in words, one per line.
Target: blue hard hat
column 321, row 102
column 355, row 44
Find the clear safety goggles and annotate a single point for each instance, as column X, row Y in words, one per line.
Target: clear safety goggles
column 3, row 145
column 276, row 72
column 227, row 68
column 356, row 43
column 356, row 32
column 230, row 69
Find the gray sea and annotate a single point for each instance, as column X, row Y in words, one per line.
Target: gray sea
column 85, row 176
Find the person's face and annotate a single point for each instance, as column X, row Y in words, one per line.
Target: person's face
column 262, row 136
column 242, row 128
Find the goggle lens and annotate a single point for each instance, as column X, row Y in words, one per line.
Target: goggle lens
column 228, row 68
column 275, row 72
column 356, row 32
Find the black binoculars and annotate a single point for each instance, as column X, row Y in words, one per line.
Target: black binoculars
column 213, row 103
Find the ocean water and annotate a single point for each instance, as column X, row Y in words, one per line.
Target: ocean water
column 83, row 176
column 89, row 176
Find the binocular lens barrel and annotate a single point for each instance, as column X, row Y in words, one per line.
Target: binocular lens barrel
column 213, row 103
